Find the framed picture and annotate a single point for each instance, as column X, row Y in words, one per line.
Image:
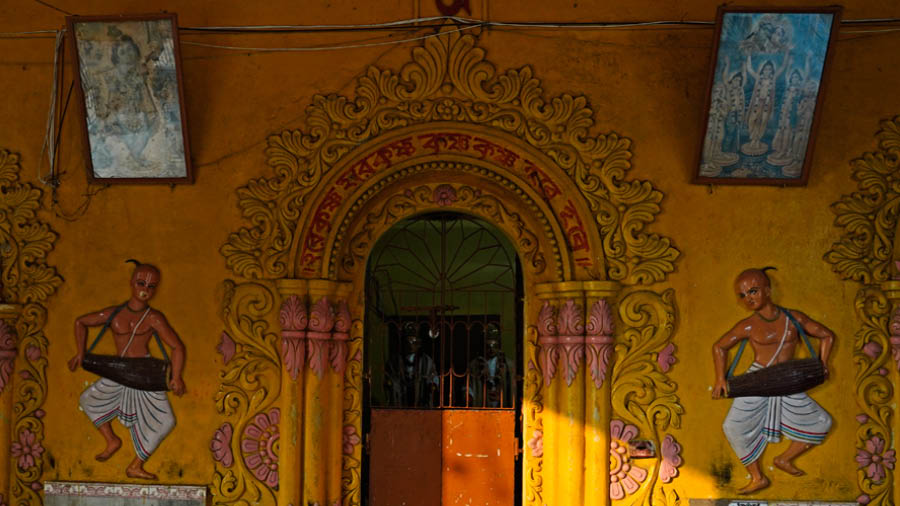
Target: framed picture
column 765, row 92
column 128, row 69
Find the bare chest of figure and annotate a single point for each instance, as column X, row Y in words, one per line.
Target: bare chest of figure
column 770, row 338
column 122, row 327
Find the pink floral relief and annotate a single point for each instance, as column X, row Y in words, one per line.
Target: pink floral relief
column 221, row 445
column 548, row 341
column 444, row 195
column 351, row 439
column 339, row 351
column 666, row 358
column 671, row 459
column 294, row 320
column 321, row 323
column 536, row 443
column 226, row 348
column 571, row 337
column 7, row 353
column 258, row 447
column 895, row 336
column 599, row 341
column 624, row 477
column 875, row 459
column 27, row 450
column 872, row 349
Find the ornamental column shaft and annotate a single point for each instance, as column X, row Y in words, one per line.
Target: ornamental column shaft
column 316, row 322
column 9, row 313
column 892, row 291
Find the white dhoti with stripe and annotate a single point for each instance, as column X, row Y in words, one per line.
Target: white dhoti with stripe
column 147, row 415
column 753, row 422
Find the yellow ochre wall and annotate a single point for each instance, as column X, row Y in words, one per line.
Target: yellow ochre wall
column 647, row 84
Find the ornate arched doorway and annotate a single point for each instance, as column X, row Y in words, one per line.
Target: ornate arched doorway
column 442, row 354
column 447, row 133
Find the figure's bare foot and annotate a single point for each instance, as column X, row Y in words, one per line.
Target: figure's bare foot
column 787, row 466
column 755, row 485
column 112, row 446
column 136, row 470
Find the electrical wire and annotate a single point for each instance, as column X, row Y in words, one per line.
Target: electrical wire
column 49, row 145
column 326, row 48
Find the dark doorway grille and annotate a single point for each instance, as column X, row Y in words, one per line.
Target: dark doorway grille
column 442, row 316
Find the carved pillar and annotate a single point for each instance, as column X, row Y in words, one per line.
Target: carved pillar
column 9, row 313
column 294, row 319
column 892, row 291
column 578, row 410
column 564, row 437
column 315, row 320
column 599, row 346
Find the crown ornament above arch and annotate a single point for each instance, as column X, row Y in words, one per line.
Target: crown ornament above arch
column 449, row 80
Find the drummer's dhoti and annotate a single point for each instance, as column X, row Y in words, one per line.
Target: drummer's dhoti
column 148, row 415
column 753, row 422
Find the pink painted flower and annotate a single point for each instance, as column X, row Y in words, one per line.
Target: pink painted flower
column 221, row 445
column 862, row 418
column 624, row 477
column 444, row 195
column 536, row 443
column 872, row 349
column 874, row 460
column 33, row 353
column 671, row 459
column 258, row 444
column 864, row 499
column 226, row 347
column 666, row 358
column 26, row 450
column 351, row 439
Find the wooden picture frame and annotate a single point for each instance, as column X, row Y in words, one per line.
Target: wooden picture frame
column 128, row 71
column 764, row 94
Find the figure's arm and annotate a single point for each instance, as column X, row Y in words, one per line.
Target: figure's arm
column 725, row 70
column 82, row 323
column 748, row 66
column 819, row 331
column 159, row 324
column 720, row 357
column 784, row 65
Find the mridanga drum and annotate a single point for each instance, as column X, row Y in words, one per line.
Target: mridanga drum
column 141, row 373
column 785, row 378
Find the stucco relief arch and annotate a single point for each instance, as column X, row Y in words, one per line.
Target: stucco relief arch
column 448, row 131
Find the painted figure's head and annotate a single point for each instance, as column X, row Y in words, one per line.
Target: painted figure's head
column 125, row 52
column 768, row 69
column 737, row 79
column 795, row 78
column 753, row 288
column 411, row 341
column 144, row 281
column 492, row 340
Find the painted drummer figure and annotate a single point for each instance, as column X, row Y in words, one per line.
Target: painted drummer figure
column 147, row 414
column 753, row 422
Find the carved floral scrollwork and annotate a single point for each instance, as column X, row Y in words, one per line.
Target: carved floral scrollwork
column 449, row 79
column 294, row 320
column 865, row 254
column 643, row 395
column 7, row 353
column 535, row 377
column 571, row 337
column 869, row 216
column 351, row 481
column 26, row 279
column 250, row 383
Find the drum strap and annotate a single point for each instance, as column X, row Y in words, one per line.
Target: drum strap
column 109, row 322
column 737, row 357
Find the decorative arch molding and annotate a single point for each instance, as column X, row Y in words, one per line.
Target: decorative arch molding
column 450, row 132
column 867, row 254
column 449, row 80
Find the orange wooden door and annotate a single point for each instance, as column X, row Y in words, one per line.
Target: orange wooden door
column 442, row 457
column 405, row 457
column 479, row 457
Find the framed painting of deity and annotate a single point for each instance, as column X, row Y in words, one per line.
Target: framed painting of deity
column 765, row 92
column 128, row 70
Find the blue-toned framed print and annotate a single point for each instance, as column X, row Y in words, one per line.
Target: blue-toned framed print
column 765, row 94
